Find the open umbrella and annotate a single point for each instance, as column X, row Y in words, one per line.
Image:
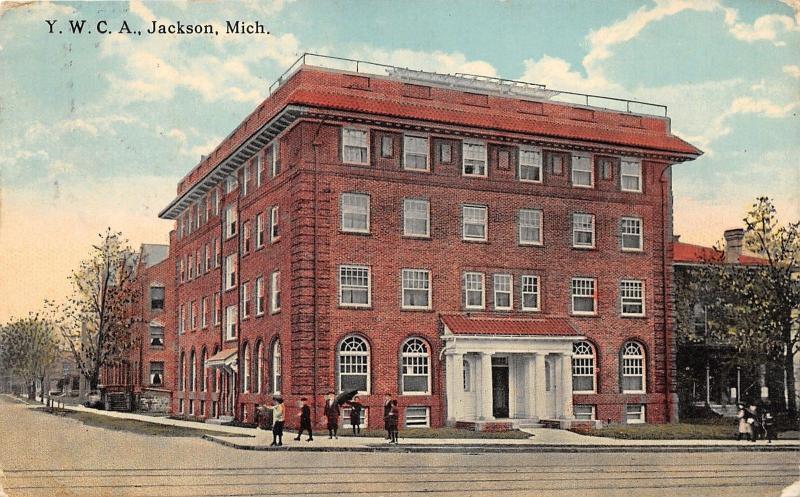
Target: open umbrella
column 345, row 397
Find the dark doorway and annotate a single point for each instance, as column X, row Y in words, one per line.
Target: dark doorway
column 500, row 391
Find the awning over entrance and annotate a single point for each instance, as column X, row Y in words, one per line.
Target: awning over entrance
column 224, row 359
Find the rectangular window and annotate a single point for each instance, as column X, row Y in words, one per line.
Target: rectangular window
column 213, row 203
column 246, row 236
column 474, row 297
column 258, row 169
column 631, row 296
column 182, row 320
column 230, row 272
column 275, row 300
column 445, row 153
column 631, row 233
column 354, row 286
column 208, row 257
column 583, row 230
column 630, row 175
column 529, row 288
column 557, row 161
column 583, row 412
column 230, row 221
column 204, row 312
column 503, row 292
column 606, row 165
column 584, row 296
column 275, row 165
column 231, row 183
column 416, row 217
column 582, row 171
column 274, row 231
column 216, row 248
column 156, row 298
column 415, row 153
column 387, row 146
column 245, row 299
column 474, row 159
column 355, row 212
column 217, row 309
column 245, row 179
column 416, row 289
column 193, row 314
column 259, row 296
column 474, row 220
column 190, row 265
column 634, row 414
column 202, row 210
column 157, row 374
column 530, row 165
column 156, row 336
column 230, row 322
column 418, row 417
column 355, row 148
column 530, row 227
column 198, row 262
column 259, row 230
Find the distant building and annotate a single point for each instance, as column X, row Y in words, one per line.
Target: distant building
column 484, row 252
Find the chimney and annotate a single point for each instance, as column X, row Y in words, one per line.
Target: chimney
column 733, row 245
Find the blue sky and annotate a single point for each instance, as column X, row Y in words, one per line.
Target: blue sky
column 96, row 130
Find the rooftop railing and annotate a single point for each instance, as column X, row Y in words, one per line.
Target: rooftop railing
column 470, row 82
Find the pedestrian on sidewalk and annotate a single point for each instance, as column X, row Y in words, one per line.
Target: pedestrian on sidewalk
column 332, row 413
column 278, row 418
column 768, row 422
column 355, row 415
column 387, row 406
column 392, row 421
column 305, row 419
column 744, row 426
column 755, row 421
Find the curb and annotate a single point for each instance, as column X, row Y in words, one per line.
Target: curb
column 507, row 448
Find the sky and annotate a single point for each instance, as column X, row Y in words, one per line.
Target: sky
column 97, row 129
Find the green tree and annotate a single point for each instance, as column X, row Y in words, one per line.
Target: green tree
column 97, row 318
column 28, row 347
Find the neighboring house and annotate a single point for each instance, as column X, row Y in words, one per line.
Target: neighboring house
column 487, row 254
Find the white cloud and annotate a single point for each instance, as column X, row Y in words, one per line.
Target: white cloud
column 59, row 168
column 78, row 125
column 793, row 71
column 765, row 28
column 437, row 61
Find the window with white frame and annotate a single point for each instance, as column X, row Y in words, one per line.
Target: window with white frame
column 416, row 217
column 474, row 219
column 415, row 367
column 467, row 373
column 503, row 287
column 418, row 417
column 474, row 159
column 157, row 374
column 631, row 233
column 583, row 230
column 217, row 308
column 354, row 286
column 257, row 165
column 190, row 265
column 157, row 298
column 246, row 237
column 230, row 272
column 245, row 179
column 274, row 220
column 156, row 335
column 275, row 299
column 275, row 165
column 634, row 414
column 246, row 368
column 416, row 289
column 277, row 367
column 584, row 296
column 387, row 146
column 583, row 412
column 530, row 227
column 182, row 372
column 182, row 320
column 245, row 299
column 583, row 361
column 193, row 314
column 630, row 175
column 582, row 171
column 208, row 257
column 529, row 290
column 474, row 297
column 231, row 183
column 203, row 371
column 230, row 221
column 258, row 360
column 354, row 365
column 259, row 230
column 230, row 322
column 355, row 148
column 355, row 212
column 632, row 365
column 204, row 312
column 192, row 372
column 530, row 165
column 631, row 297
column 415, row 153
column 259, row 295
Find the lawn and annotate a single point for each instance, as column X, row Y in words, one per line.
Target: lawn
column 718, row 429
column 132, row 425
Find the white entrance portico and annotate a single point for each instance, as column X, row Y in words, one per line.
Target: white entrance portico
column 508, row 369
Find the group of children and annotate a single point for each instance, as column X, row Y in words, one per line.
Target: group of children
column 391, row 415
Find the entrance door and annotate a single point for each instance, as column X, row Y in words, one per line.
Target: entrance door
column 500, row 387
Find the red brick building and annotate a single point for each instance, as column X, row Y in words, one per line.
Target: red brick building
column 474, row 246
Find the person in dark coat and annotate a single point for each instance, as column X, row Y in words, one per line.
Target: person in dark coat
column 355, row 415
column 392, row 422
column 387, row 406
column 305, row 419
column 755, row 421
column 332, row 413
column 768, row 422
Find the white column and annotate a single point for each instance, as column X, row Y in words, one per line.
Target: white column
column 539, row 386
column 566, row 385
column 513, row 367
column 454, row 364
column 530, row 385
column 485, row 404
column 449, row 365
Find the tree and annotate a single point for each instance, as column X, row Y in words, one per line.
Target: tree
column 98, row 317
column 29, row 347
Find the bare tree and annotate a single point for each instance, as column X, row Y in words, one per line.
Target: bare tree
column 29, row 347
column 97, row 318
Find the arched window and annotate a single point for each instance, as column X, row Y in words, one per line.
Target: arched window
column 192, row 372
column 203, row 372
column 215, row 375
column 245, row 368
column 276, row 367
column 354, row 365
column 415, row 367
column 583, row 358
column 182, row 372
column 632, row 366
column 258, row 359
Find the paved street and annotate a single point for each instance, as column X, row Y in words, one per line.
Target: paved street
column 43, row 455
